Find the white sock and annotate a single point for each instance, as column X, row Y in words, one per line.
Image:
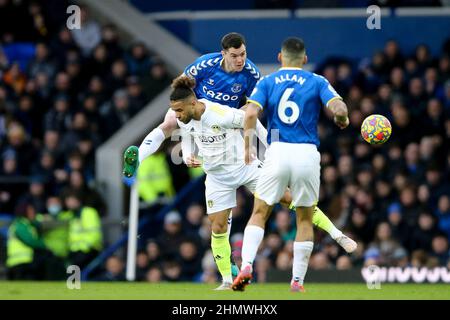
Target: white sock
column 151, row 143
column 302, row 252
column 227, row 279
column 335, row 233
column 229, row 222
column 253, row 236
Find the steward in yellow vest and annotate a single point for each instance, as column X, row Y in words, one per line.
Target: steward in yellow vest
column 28, row 258
column 85, row 231
column 155, row 179
column 55, row 226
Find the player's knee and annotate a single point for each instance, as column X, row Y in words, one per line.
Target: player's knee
column 219, row 227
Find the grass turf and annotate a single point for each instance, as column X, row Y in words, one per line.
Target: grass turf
column 191, row 291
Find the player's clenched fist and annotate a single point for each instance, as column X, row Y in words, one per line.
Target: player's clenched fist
column 193, row 162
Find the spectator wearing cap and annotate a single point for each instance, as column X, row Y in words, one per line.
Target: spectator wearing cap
column 172, row 235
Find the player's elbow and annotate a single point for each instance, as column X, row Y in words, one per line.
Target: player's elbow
column 251, row 113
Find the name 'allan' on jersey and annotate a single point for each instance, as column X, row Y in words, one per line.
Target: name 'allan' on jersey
column 217, row 85
column 291, row 99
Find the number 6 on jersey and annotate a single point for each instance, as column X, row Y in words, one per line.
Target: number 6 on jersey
column 288, row 111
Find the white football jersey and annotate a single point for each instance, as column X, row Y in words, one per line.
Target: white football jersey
column 217, row 137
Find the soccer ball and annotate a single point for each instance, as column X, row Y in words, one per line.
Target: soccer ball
column 376, row 129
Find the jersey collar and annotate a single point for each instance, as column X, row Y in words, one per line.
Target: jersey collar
column 290, row 68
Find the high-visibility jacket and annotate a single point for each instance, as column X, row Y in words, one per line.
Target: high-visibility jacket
column 23, row 238
column 85, row 231
column 154, row 178
column 57, row 238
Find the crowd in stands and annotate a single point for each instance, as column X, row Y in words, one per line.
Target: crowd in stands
column 62, row 95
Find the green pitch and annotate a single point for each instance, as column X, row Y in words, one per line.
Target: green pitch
column 190, row 291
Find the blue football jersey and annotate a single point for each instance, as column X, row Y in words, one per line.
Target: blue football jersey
column 291, row 99
column 216, row 85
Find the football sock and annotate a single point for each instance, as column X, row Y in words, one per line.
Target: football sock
column 302, row 252
column 221, row 250
column 229, row 222
column 320, row 220
column 151, row 143
column 253, row 235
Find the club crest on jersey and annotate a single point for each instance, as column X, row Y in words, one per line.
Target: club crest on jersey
column 210, row 203
column 211, row 82
column 215, row 128
column 236, row 87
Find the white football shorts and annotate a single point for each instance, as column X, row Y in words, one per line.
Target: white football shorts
column 296, row 166
column 220, row 189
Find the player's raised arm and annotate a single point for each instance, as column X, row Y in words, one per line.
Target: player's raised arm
column 340, row 113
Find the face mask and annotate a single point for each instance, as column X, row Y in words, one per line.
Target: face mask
column 54, row 209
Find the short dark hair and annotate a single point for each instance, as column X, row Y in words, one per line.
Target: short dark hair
column 182, row 88
column 232, row 40
column 293, row 46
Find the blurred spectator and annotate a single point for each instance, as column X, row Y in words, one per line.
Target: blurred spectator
column 190, row 259
column 171, row 270
column 443, row 214
column 172, row 236
column 283, row 225
column 141, row 266
column 319, row 261
column 138, row 59
column 385, row 244
column 440, row 249
column 344, row 263
column 114, row 270
column 89, row 35
column 153, row 253
column 423, row 232
column 154, row 275
column 194, row 217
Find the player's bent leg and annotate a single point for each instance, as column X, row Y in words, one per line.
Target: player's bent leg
column 220, row 246
column 303, row 247
column 323, row 222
